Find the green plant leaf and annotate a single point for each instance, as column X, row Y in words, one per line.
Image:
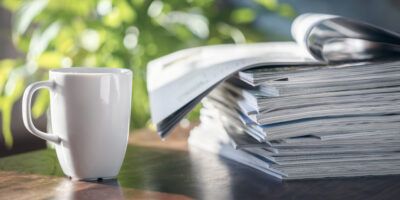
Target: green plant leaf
column 14, row 88
column 269, row 4
column 24, row 16
column 5, row 69
column 243, row 15
column 232, row 32
column 287, row 10
column 41, row 103
column 50, row 60
column 41, row 40
column 5, row 102
column 11, row 5
column 6, row 112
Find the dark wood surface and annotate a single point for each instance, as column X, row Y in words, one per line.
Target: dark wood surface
column 168, row 170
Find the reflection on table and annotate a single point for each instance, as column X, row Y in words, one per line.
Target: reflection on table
column 169, row 170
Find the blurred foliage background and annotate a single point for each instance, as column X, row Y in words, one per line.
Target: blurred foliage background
column 114, row 33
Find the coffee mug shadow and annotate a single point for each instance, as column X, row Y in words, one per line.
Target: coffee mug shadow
column 75, row 190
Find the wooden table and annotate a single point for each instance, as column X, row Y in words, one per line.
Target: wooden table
column 168, row 170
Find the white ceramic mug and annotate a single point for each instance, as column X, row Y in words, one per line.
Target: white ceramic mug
column 90, row 114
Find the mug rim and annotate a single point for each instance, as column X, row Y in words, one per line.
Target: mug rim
column 90, row 70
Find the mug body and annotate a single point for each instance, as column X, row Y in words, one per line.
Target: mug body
column 90, row 112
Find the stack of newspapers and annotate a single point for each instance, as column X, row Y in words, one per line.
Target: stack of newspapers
column 327, row 105
column 324, row 122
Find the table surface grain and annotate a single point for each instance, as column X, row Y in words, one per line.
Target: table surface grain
column 168, row 170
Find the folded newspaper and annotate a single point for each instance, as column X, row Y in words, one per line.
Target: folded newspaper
column 326, row 105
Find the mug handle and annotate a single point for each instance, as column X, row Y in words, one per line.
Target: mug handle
column 26, row 110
